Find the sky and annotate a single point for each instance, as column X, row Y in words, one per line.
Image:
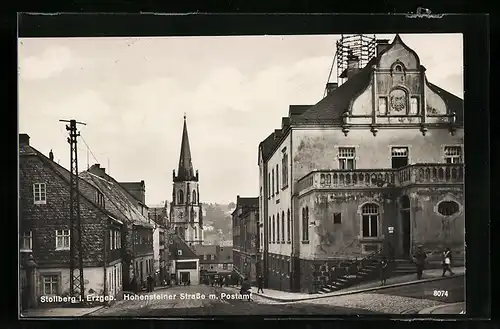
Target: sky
column 132, row 93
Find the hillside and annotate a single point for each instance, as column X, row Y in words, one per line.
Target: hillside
column 218, row 217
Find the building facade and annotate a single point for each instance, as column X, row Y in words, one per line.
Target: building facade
column 246, row 236
column 215, row 261
column 45, row 232
column 159, row 217
column 185, row 266
column 186, row 209
column 137, row 234
column 377, row 162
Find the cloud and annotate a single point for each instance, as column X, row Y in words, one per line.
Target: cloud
column 50, row 63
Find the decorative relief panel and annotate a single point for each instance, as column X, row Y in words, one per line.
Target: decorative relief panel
column 398, row 101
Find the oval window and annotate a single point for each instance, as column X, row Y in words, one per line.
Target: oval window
column 448, row 208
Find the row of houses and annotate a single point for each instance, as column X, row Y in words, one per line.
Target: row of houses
column 375, row 165
column 123, row 240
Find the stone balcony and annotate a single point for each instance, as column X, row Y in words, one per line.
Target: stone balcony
column 415, row 174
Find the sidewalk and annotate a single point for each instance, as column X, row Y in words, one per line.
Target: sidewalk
column 59, row 311
column 455, row 308
column 428, row 276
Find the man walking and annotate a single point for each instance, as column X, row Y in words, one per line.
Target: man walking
column 260, row 284
column 150, row 282
column 447, row 262
column 419, row 259
column 383, row 271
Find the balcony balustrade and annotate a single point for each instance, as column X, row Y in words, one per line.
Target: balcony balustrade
column 383, row 178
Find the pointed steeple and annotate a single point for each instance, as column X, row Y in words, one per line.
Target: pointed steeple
column 185, row 171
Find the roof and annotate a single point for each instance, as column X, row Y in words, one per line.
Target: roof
column 158, row 215
column 222, row 254
column 116, row 197
column 331, row 108
column 247, row 201
column 267, row 145
column 185, row 171
column 179, row 244
column 455, row 103
column 86, row 190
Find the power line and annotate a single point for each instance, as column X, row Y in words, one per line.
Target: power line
column 88, row 149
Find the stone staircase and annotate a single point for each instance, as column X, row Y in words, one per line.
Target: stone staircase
column 365, row 270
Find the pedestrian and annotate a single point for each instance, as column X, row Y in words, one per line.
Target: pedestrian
column 383, row 271
column 150, row 282
column 260, row 284
column 447, row 262
column 188, row 282
column 419, row 258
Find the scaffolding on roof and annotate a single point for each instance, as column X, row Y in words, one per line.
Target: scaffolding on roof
column 362, row 46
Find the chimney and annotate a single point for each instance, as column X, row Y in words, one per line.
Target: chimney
column 24, row 140
column 331, row 86
column 51, row 156
column 352, row 66
column 382, row 44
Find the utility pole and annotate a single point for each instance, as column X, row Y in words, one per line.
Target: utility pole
column 76, row 279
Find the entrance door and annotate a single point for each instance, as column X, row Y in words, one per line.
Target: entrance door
column 405, row 225
column 184, row 277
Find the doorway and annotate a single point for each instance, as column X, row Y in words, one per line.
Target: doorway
column 184, row 277
column 399, row 156
column 404, row 202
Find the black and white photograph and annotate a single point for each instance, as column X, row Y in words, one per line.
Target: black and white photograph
column 241, row 175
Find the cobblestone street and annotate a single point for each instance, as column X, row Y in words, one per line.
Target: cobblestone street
column 172, row 302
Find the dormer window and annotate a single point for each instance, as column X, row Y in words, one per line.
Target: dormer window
column 398, row 68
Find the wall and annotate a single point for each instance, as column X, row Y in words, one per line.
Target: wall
column 93, row 280
column 156, row 248
column 316, row 149
column 430, row 228
column 114, row 279
column 280, row 203
column 43, row 220
column 344, row 240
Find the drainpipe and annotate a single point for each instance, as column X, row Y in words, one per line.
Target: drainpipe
column 105, row 258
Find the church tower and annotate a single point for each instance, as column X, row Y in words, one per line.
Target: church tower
column 186, row 212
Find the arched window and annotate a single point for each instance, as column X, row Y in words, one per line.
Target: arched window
column 448, row 208
column 278, row 228
column 370, row 219
column 398, row 68
column 181, row 197
column 196, row 233
column 289, row 225
column 282, row 227
column 305, row 224
column 274, row 232
column 194, row 196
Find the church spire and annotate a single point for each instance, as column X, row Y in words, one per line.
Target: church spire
column 185, row 171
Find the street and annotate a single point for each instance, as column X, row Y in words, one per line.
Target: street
column 451, row 290
column 173, row 302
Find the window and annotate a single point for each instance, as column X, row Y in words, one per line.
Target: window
column 347, row 157
column 305, row 224
column 111, row 240
column 62, row 239
column 370, row 217
column 274, row 233
column 213, row 257
column 398, row 68
column 283, row 226
column 272, row 182
column 413, row 105
column 194, row 196
column 224, row 266
column 382, row 105
column 211, row 267
column 204, row 257
column 196, row 233
column 277, row 180
column 179, row 252
column 99, row 198
column 278, row 228
column 181, row 197
column 50, row 285
column 284, row 169
column 269, row 231
column 337, row 218
column 453, row 154
column 269, row 186
column 448, row 208
column 289, row 224
column 27, row 241
column 399, row 157
column 39, row 193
